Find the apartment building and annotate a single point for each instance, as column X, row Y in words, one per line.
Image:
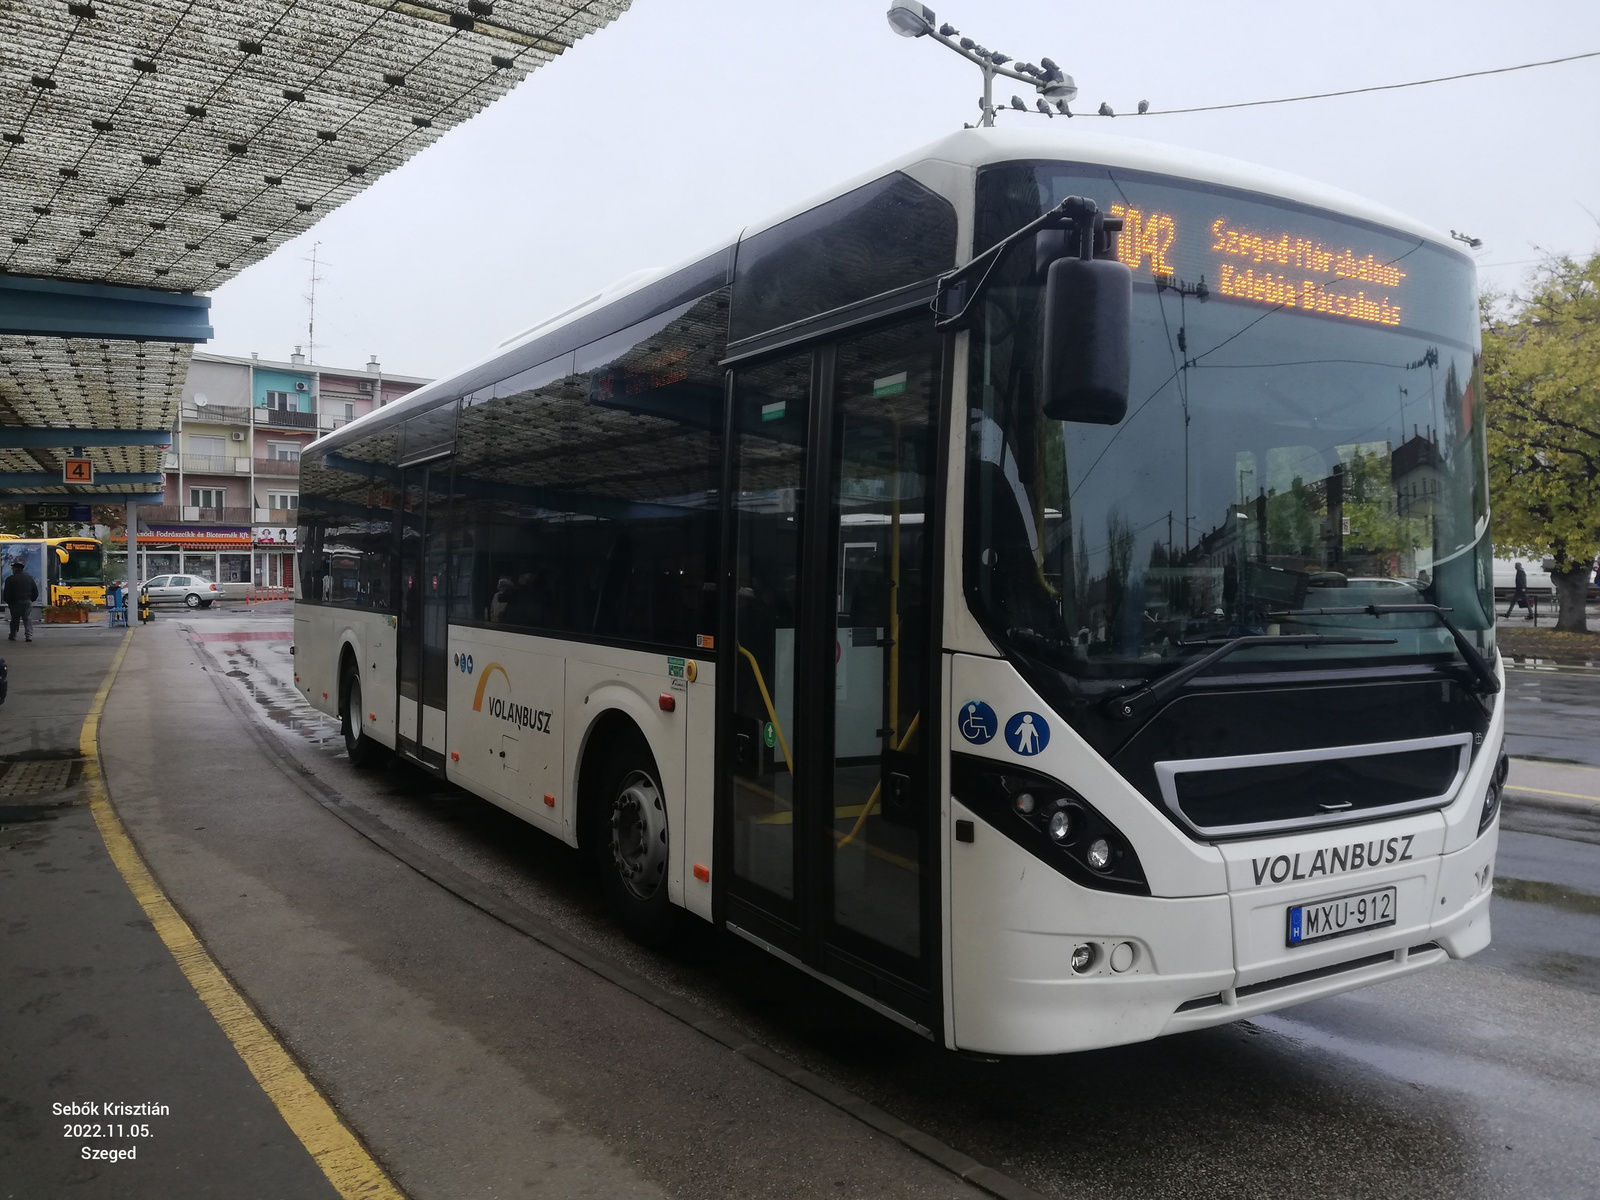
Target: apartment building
column 232, row 475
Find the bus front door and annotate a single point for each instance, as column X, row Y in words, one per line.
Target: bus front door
column 424, row 583
column 827, row 730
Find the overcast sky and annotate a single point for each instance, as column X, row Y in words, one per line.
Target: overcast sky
column 687, row 119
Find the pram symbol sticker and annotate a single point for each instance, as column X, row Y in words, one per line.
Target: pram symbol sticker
column 978, row 722
column 1027, row 733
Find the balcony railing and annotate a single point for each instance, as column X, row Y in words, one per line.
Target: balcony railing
column 210, row 464
column 283, row 419
column 213, row 464
column 216, row 414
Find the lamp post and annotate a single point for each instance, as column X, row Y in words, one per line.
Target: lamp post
column 911, row 19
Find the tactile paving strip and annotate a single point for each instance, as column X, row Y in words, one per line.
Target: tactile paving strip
column 36, row 778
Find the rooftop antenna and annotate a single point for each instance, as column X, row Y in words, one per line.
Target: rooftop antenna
column 1467, row 240
column 911, row 19
column 311, row 301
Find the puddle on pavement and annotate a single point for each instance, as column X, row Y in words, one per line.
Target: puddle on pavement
column 282, row 703
column 1535, row 891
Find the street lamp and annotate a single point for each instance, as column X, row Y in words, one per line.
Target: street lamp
column 911, row 19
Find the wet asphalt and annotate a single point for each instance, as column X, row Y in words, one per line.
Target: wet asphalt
column 1478, row 1079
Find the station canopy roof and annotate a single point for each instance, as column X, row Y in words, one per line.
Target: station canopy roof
column 159, row 147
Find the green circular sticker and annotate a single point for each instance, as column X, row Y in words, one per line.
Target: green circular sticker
column 770, row 734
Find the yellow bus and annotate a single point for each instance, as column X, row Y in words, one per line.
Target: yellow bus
column 67, row 568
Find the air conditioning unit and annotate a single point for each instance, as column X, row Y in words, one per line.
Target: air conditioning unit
column 366, row 387
column 237, row 435
column 300, row 386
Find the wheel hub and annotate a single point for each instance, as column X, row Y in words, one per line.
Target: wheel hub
column 639, row 835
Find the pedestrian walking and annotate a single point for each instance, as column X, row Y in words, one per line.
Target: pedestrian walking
column 1519, row 594
column 18, row 593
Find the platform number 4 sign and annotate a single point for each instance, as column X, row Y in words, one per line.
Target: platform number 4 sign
column 77, row 470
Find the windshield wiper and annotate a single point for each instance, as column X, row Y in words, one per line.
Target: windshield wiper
column 1488, row 683
column 1128, row 703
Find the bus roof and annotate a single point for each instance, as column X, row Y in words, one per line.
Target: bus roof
column 974, row 148
column 966, row 150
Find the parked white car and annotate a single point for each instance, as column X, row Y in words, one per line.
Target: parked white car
column 191, row 589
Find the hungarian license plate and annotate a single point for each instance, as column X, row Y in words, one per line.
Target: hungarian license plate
column 1324, row 919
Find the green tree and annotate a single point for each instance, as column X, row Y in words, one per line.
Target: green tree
column 12, row 522
column 1541, row 372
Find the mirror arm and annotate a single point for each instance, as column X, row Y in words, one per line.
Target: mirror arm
column 957, row 292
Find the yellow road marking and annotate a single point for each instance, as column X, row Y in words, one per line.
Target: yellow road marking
column 346, row 1163
column 1512, row 787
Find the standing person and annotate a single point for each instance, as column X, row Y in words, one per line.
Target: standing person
column 1519, row 593
column 18, row 593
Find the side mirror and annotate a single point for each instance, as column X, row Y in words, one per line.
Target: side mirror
column 1088, row 314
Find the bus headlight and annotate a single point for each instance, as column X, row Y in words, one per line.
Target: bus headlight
column 1491, row 797
column 1050, row 821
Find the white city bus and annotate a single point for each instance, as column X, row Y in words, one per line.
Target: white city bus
column 859, row 606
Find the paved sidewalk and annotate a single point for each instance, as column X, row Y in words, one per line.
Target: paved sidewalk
column 93, row 1008
column 472, row 1060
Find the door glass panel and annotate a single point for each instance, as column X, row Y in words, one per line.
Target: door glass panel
column 411, row 504
column 436, row 585
column 424, row 503
column 772, row 406
column 885, row 390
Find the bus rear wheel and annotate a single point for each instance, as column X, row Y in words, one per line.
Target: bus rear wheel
column 632, row 843
column 363, row 750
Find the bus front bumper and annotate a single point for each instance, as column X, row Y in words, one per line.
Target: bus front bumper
column 1166, row 965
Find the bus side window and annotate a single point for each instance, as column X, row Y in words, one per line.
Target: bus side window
column 587, row 488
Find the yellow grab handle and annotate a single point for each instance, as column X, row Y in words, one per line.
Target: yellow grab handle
column 772, row 715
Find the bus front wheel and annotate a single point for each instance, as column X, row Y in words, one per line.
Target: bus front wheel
column 632, row 842
column 364, row 751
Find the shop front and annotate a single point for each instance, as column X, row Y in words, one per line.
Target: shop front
column 274, row 551
column 218, row 554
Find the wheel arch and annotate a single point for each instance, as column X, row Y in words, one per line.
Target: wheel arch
column 610, row 729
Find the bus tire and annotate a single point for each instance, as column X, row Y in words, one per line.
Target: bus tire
column 363, row 750
column 632, row 841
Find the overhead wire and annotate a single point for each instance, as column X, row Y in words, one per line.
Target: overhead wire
column 1379, row 87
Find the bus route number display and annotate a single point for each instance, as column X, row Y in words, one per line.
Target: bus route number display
column 1275, row 267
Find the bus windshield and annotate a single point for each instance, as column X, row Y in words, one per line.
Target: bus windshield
column 81, row 569
column 1304, row 431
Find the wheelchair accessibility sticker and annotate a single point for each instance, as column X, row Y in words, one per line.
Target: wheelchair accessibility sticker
column 978, row 722
column 1027, row 733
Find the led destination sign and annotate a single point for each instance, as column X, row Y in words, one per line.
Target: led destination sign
column 1275, row 267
